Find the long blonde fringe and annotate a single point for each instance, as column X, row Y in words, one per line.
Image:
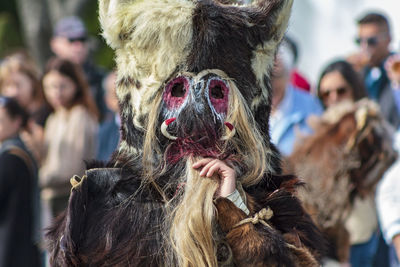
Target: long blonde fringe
column 248, row 142
column 192, row 220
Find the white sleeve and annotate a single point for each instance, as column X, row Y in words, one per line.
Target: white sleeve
column 238, row 201
column 388, row 202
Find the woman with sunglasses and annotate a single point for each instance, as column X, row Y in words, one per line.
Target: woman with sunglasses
column 339, row 82
column 19, row 197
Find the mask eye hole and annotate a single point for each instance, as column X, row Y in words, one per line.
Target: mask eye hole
column 217, row 92
column 176, row 92
column 219, row 95
column 178, row 89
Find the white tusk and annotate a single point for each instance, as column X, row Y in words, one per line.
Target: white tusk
column 164, row 130
column 232, row 133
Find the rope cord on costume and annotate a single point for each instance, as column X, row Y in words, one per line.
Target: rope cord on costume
column 260, row 217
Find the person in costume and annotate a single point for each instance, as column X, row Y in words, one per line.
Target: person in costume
column 196, row 180
column 341, row 163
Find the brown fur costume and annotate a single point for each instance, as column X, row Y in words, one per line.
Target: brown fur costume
column 193, row 82
column 345, row 157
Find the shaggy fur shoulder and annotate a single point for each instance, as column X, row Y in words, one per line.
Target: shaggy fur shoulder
column 103, row 208
column 109, row 222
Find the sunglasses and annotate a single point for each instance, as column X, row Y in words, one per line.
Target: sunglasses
column 79, row 39
column 339, row 91
column 370, row 41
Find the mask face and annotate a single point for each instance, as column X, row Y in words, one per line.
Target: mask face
column 195, row 107
column 181, row 58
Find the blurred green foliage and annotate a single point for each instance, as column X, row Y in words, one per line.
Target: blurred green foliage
column 10, row 32
column 103, row 55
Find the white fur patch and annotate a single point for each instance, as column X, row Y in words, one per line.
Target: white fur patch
column 263, row 56
column 261, row 63
column 150, row 38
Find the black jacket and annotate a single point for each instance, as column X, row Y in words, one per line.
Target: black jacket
column 18, row 176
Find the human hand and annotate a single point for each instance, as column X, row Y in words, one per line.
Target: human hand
column 227, row 175
column 392, row 66
column 359, row 60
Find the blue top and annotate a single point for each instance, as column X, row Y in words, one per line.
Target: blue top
column 291, row 116
column 108, row 138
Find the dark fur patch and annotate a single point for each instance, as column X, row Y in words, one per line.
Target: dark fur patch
column 128, row 82
column 223, row 40
column 129, row 132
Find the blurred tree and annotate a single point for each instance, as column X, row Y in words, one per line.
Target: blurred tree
column 36, row 28
column 10, row 34
column 102, row 53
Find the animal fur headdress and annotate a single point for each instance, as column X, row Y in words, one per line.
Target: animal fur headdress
column 192, row 58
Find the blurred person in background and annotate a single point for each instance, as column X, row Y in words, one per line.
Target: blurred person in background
column 19, row 79
column 109, row 129
column 291, row 107
column 392, row 67
column 70, row 41
column 296, row 78
column 19, row 198
column 388, row 207
column 70, row 131
column 374, row 39
column 339, row 82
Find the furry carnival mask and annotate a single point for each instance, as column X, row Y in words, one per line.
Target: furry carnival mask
column 194, row 64
column 193, row 82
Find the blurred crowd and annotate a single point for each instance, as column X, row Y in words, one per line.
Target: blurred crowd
column 53, row 120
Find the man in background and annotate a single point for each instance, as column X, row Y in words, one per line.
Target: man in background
column 291, row 107
column 71, row 41
column 374, row 39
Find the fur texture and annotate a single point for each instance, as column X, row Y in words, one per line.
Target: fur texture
column 346, row 156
